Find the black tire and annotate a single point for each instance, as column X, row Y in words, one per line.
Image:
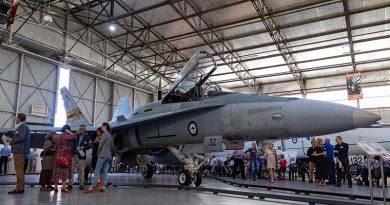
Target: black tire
column 148, row 173
column 198, row 179
column 184, row 178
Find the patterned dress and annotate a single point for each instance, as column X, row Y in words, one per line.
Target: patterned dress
column 63, row 145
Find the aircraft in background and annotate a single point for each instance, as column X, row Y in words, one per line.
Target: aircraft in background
column 379, row 133
column 191, row 119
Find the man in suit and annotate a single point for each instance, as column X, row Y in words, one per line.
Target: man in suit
column 20, row 145
column 79, row 150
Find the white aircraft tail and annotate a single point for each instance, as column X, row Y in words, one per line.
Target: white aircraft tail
column 74, row 116
column 122, row 110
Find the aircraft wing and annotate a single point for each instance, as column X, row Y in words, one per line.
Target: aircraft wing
column 147, row 119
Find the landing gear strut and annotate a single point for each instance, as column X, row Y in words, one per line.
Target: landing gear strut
column 191, row 172
column 145, row 167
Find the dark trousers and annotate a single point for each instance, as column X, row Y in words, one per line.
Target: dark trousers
column 25, row 164
column 3, row 164
column 331, row 170
column 238, row 163
column 386, row 173
column 347, row 171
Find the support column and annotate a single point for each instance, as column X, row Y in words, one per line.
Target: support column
column 66, row 38
column 94, row 103
column 133, row 98
column 57, row 93
column 19, row 84
column 113, row 101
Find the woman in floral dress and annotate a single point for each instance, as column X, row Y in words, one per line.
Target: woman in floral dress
column 63, row 145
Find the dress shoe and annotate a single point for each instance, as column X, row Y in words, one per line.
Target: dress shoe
column 81, row 187
column 69, row 187
column 16, row 192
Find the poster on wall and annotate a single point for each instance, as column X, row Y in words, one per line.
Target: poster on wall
column 354, row 86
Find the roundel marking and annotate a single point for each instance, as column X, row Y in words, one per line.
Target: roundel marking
column 294, row 140
column 193, row 128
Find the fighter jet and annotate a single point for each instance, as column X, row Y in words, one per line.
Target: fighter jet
column 190, row 119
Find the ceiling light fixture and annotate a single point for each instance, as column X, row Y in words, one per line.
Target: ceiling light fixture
column 112, row 27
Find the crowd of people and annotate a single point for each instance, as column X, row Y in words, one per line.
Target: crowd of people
column 328, row 165
column 63, row 153
column 252, row 164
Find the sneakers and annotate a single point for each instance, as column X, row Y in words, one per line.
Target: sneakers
column 81, row 187
column 70, row 187
column 16, row 192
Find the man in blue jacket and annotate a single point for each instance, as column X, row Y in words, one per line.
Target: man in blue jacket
column 20, row 145
column 330, row 162
column 78, row 151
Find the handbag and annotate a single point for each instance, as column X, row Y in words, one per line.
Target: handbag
column 63, row 161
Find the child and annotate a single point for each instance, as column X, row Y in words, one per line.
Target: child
column 282, row 167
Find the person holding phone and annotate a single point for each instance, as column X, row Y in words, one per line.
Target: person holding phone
column 270, row 156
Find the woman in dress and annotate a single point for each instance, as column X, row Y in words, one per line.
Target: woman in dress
column 47, row 162
column 62, row 142
column 270, row 156
column 321, row 166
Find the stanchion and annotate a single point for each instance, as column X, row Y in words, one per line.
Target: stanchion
column 370, row 179
column 383, row 181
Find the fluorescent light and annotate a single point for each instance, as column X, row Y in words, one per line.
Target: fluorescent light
column 112, row 27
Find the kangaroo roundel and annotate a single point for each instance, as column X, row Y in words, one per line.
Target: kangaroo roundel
column 193, row 128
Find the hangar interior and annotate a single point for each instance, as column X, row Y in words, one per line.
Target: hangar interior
column 115, row 48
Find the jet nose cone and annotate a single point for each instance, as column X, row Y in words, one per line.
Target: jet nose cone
column 362, row 118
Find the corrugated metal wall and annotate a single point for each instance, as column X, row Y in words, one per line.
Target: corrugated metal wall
column 38, row 84
column 25, row 82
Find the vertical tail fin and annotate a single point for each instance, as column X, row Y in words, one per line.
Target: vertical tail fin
column 74, row 116
column 122, row 109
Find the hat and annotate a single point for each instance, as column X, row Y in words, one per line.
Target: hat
column 65, row 127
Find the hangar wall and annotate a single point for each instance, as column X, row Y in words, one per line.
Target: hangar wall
column 25, row 82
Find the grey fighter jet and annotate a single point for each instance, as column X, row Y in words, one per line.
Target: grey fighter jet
column 191, row 119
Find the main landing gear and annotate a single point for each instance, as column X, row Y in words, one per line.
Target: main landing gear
column 191, row 172
column 144, row 165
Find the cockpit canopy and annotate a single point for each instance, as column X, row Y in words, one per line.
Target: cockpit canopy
column 189, row 83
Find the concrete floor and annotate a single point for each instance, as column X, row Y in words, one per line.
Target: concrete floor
column 133, row 195
column 129, row 195
column 355, row 190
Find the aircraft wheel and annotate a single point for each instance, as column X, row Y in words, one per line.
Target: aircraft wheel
column 198, row 179
column 184, row 178
column 147, row 173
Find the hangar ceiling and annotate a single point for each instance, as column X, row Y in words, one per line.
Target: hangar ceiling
column 261, row 46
